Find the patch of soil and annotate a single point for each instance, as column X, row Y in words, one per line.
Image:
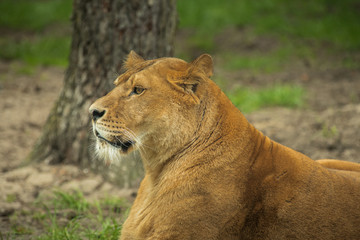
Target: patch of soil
column 26, row 102
column 332, row 133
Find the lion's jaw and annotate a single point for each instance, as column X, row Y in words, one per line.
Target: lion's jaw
column 158, row 121
column 113, row 146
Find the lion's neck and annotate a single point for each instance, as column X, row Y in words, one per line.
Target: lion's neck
column 271, row 161
column 223, row 135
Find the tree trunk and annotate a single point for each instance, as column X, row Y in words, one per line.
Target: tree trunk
column 104, row 32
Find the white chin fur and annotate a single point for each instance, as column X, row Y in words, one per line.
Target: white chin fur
column 107, row 152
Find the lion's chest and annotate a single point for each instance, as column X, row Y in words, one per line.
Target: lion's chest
column 184, row 212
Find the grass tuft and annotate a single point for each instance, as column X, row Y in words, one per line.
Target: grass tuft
column 248, row 100
column 47, row 50
column 265, row 62
column 64, row 215
column 74, row 201
column 329, row 131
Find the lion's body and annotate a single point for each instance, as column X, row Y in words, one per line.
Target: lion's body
column 211, row 175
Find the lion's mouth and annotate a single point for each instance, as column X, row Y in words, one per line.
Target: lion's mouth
column 123, row 145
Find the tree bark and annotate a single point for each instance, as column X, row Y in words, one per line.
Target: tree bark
column 104, row 32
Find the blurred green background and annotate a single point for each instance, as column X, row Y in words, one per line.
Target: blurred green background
column 255, row 37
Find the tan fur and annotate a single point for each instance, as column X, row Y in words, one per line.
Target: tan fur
column 209, row 173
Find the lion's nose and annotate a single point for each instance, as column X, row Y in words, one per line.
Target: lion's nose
column 96, row 113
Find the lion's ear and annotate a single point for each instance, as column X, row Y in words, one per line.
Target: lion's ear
column 204, row 63
column 189, row 80
column 132, row 59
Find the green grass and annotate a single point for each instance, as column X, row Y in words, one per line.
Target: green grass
column 99, row 220
column 36, row 31
column 335, row 22
column 34, row 15
column 248, row 100
column 329, row 131
column 70, row 216
column 258, row 62
column 267, row 61
column 10, row 198
column 44, row 50
column 74, row 201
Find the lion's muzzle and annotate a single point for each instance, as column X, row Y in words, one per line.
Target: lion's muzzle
column 96, row 113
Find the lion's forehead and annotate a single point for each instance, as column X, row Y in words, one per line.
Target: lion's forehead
column 161, row 67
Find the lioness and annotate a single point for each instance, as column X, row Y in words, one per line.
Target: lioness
column 209, row 174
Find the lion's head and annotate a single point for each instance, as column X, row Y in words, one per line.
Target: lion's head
column 155, row 106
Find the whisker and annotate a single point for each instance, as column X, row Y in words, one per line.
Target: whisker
column 141, row 144
column 129, row 133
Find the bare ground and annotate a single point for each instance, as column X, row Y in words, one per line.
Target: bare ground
column 328, row 127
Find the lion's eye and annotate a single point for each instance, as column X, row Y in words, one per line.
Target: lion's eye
column 137, row 90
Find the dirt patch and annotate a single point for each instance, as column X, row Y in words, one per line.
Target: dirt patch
column 26, row 102
column 333, row 133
